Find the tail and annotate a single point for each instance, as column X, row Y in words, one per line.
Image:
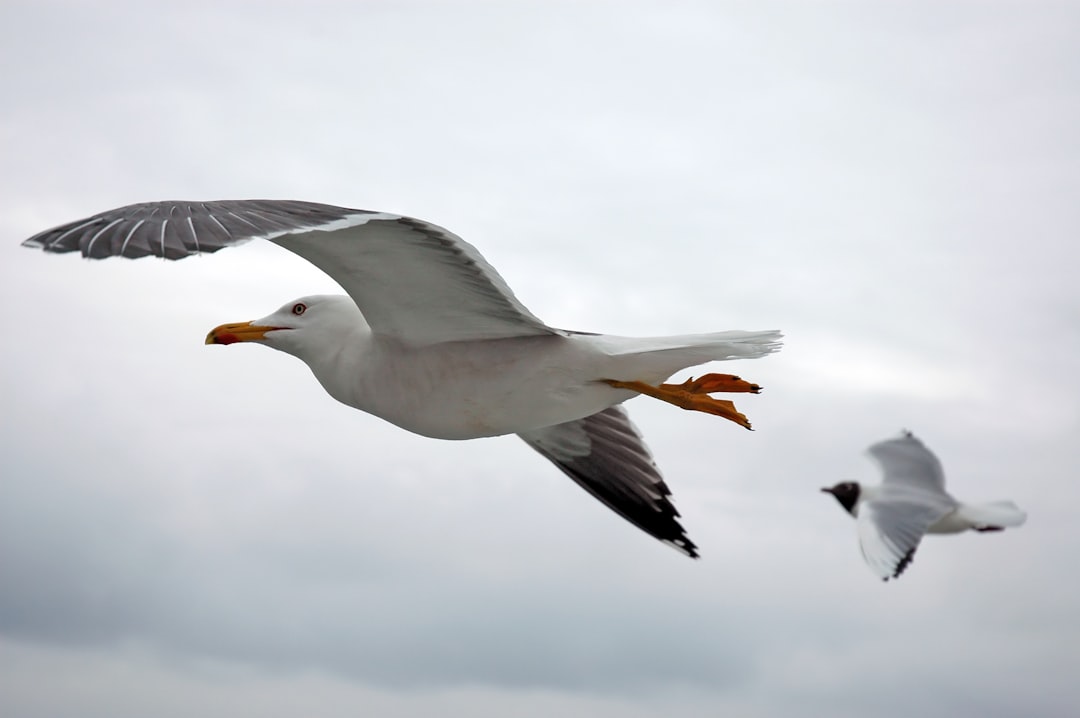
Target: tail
column 717, row 346
column 993, row 516
column 656, row 358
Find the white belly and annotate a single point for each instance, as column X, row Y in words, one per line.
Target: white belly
column 466, row 391
column 950, row 523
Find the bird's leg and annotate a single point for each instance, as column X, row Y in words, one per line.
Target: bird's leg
column 693, row 394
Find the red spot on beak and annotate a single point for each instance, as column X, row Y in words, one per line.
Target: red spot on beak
column 239, row 332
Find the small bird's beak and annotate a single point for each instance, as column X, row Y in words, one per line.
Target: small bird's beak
column 828, row 490
column 239, row 332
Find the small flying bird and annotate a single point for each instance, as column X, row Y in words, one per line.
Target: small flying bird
column 911, row 501
column 431, row 338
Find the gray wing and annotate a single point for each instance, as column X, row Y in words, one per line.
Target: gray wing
column 606, row 456
column 910, row 500
column 411, row 279
column 905, row 461
column 891, row 526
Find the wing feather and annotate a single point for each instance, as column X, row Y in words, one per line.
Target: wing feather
column 606, row 456
column 412, row 280
column 890, row 529
column 905, row 461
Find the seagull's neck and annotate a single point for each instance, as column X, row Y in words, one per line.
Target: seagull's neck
column 866, row 493
column 337, row 362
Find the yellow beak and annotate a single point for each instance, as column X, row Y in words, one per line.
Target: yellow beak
column 239, row 332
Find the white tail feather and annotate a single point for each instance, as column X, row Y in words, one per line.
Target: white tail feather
column 716, row 346
column 653, row 359
column 995, row 513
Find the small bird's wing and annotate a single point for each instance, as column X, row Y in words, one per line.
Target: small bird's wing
column 905, row 461
column 891, row 526
column 412, row 280
column 606, row 456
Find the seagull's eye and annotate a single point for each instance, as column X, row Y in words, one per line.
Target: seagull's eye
column 299, row 308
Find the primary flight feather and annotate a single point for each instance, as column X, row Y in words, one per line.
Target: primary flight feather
column 431, row 338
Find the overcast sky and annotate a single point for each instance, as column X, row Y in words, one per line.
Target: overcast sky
column 192, row 530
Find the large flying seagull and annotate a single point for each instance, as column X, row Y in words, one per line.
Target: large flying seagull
column 431, row 338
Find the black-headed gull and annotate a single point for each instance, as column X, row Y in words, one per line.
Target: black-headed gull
column 911, row 501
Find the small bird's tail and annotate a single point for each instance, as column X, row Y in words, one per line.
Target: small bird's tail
column 993, row 516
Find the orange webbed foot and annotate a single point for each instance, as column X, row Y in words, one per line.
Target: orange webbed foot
column 693, row 394
column 713, row 383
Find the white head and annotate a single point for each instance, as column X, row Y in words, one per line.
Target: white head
column 299, row 326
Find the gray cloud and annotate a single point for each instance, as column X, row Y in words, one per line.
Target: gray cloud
column 888, row 185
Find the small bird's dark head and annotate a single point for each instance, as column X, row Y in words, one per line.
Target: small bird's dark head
column 847, row 493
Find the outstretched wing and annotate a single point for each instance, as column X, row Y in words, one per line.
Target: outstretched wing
column 606, row 456
column 412, row 280
column 912, row 498
column 890, row 530
column 905, row 461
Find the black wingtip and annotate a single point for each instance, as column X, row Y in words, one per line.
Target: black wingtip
column 686, row 546
column 904, row 563
column 681, row 543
